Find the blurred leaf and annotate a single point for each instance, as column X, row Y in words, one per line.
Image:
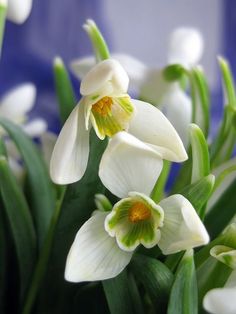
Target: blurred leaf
column 222, row 212
column 3, row 12
column 118, row 295
column 100, row 48
column 20, row 222
column 155, row 277
column 3, row 262
column 201, row 99
column 200, row 154
column 183, row 296
column 40, row 188
column 199, row 192
column 64, row 90
column 57, row 295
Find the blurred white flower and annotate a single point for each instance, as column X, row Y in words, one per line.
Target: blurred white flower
column 107, row 107
column 19, row 10
column 185, row 48
column 105, row 243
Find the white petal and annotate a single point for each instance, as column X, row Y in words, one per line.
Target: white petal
column 48, row 141
column 129, row 165
column 17, row 169
column 177, row 107
column 185, row 46
column 182, row 227
column 18, row 10
column 95, row 255
column 70, row 155
column 36, row 127
column 80, row 67
column 151, row 126
column 17, row 102
column 107, row 72
column 12, row 150
column 222, row 300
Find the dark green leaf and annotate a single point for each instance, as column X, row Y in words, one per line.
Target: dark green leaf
column 64, row 90
column 20, row 222
column 3, row 12
column 155, row 277
column 222, row 212
column 183, row 297
column 40, row 188
column 118, row 294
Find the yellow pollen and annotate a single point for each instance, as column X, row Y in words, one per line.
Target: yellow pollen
column 139, row 212
column 103, row 106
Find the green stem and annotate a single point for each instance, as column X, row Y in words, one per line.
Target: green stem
column 43, row 258
column 158, row 190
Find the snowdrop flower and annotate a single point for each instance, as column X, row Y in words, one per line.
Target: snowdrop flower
column 18, row 10
column 106, row 242
column 106, row 106
column 185, row 48
column 223, row 300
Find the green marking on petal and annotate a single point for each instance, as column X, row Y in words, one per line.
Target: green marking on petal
column 135, row 220
column 224, row 254
column 110, row 115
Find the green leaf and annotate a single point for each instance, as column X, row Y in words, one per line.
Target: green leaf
column 201, row 99
column 155, row 277
column 20, row 222
column 118, row 295
column 40, row 189
column 228, row 82
column 183, row 296
column 64, row 89
column 222, row 212
column 200, row 154
column 3, row 12
column 99, row 44
column 199, row 192
column 56, row 293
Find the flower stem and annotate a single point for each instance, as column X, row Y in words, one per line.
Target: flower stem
column 43, row 258
column 158, row 190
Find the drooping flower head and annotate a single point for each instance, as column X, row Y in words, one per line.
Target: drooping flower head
column 107, row 108
column 105, row 243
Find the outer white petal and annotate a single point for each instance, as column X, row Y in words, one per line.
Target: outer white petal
column 36, row 127
column 95, row 255
column 129, row 165
column 19, row 10
column 107, row 72
column 177, row 107
column 151, row 126
column 185, row 46
column 222, row 300
column 182, row 228
column 18, row 101
column 70, row 155
column 48, row 141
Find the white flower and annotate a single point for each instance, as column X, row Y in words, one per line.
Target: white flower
column 18, row 10
column 105, row 243
column 223, row 300
column 185, row 48
column 106, row 106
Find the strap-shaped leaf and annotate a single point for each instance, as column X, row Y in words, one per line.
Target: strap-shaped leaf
column 100, row 47
column 200, row 154
column 20, row 223
column 199, row 192
column 183, row 296
column 155, row 277
column 119, row 295
column 201, row 99
column 222, row 212
column 40, row 189
column 3, row 11
column 64, row 90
